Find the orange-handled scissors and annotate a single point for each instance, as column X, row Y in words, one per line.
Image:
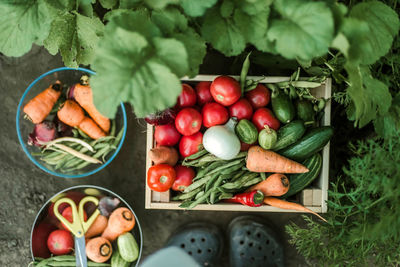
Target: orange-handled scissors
column 78, row 226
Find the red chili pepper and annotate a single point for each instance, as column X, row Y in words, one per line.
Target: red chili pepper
column 252, row 199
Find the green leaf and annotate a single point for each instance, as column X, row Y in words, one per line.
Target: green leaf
column 108, row 3
column 138, row 69
column 160, row 4
column 22, row 23
column 382, row 25
column 253, row 7
column 174, row 24
column 223, row 33
column 304, row 30
column 85, row 7
column 226, row 8
column 370, row 96
column 128, row 4
column 196, row 8
column 75, row 37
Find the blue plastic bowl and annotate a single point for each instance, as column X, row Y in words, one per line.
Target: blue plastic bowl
column 67, row 76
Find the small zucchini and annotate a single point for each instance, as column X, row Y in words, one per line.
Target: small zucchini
column 127, row 247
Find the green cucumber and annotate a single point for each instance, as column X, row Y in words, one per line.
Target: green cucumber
column 246, row 131
column 118, row 261
column 127, row 247
column 283, row 107
column 301, row 180
column 267, row 138
column 309, row 144
column 289, row 134
column 305, row 110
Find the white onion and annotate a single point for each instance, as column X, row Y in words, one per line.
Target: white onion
column 222, row 141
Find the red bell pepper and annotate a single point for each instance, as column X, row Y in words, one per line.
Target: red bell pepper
column 252, row 199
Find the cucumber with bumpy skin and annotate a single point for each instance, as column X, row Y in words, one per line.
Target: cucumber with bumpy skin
column 304, row 110
column 289, row 134
column 309, row 144
column 301, row 180
column 246, row 132
column 118, row 261
column 127, row 247
column 283, row 107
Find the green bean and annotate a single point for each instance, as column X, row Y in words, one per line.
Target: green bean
column 113, row 128
column 103, row 140
column 75, row 133
column 214, row 192
column 263, row 175
column 233, row 168
column 73, row 264
column 43, row 263
column 196, row 155
column 205, row 196
column 118, row 137
column 211, row 181
column 199, row 194
column 232, row 163
column 54, row 156
column 82, row 134
column 237, row 184
column 238, row 175
column 252, row 182
column 187, row 195
column 197, row 184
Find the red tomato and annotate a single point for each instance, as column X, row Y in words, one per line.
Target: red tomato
column 39, row 239
column 244, row 146
column 60, row 242
column 203, row 93
column 259, row 97
column 187, row 98
column 160, row 177
column 225, row 90
column 166, row 135
column 188, row 121
column 184, row 177
column 214, row 114
column 190, row 144
column 67, row 214
column 264, row 116
column 241, row 110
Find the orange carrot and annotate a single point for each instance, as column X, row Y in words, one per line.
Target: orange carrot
column 283, row 204
column 83, row 94
column 98, row 249
column 121, row 221
column 72, row 114
column 164, row 154
column 89, row 127
column 275, row 185
column 261, row 160
column 39, row 107
column 98, row 226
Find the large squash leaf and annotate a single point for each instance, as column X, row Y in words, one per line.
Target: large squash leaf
column 141, row 68
column 22, row 23
column 304, row 29
column 75, row 36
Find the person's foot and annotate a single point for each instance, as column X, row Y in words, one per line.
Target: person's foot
column 203, row 241
column 253, row 243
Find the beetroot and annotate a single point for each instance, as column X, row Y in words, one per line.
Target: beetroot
column 43, row 132
column 62, row 129
column 161, row 118
column 70, row 92
column 107, row 205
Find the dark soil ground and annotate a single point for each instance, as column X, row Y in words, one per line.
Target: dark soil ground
column 24, row 187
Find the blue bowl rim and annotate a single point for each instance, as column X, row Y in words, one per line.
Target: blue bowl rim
column 137, row 223
column 23, row 144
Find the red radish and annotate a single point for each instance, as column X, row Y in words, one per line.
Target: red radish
column 242, row 109
column 214, row 114
column 39, row 239
column 42, row 132
column 188, row 121
column 166, row 135
column 190, row 144
column 76, row 196
column 259, row 97
column 184, row 177
column 203, row 93
column 161, row 118
column 225, row 90
column 264, row 116
column 187, row 98
column 67, row 214
column 60, row 242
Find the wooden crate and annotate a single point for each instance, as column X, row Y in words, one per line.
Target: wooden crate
column 313, row 198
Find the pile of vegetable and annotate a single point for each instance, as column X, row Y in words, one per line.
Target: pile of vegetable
column 69, row 131
column 231, row 136
column 109, row 241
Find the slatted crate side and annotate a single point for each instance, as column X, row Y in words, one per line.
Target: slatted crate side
column 316, row 202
